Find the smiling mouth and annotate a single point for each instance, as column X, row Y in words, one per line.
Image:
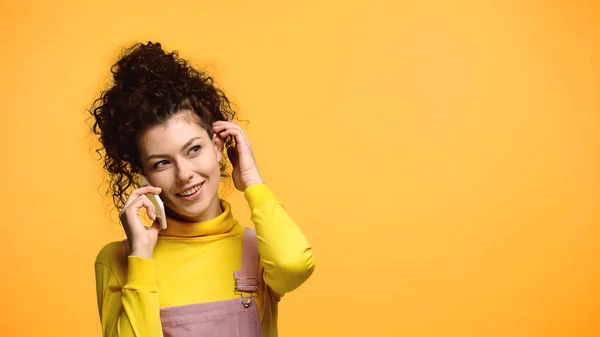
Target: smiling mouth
column 190, row 191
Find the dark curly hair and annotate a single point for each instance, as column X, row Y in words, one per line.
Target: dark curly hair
column 149, row 87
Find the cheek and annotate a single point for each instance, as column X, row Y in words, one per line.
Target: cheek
column 208, row 164
column 162, row 180
column 166, row 183
column 216, row 167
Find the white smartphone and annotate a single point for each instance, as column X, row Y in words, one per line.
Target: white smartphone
column 155, row 200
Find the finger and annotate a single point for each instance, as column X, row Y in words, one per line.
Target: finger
column 238, row 135
column 144, row 202
column 130, row 216
column 222, row 126
column 156, row 225
column 135, row 194
column 227, row 129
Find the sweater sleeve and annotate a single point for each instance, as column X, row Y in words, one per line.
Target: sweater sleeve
column 133, row 309
column 284, row 251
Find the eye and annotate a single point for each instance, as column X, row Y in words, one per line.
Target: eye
column 160, row 164
column 194, row 149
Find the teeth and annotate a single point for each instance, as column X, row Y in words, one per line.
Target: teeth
column 190, row 191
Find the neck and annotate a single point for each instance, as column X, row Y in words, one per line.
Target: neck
column 218, row 221
column 214, row 210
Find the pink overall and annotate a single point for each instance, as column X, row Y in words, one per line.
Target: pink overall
column 237, row 317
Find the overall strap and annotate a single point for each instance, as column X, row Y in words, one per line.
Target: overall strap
column 246, row 280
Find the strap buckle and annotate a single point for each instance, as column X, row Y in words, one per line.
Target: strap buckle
column 246, row 301
column 247, row 285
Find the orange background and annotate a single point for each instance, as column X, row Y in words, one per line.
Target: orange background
column 442, row 157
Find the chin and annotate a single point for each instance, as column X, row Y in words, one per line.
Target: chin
column 196, row 210
column 192, row 212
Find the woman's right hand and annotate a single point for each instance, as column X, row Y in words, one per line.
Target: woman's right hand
column 141, row 239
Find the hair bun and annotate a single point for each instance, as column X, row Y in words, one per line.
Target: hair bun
column 143, row 67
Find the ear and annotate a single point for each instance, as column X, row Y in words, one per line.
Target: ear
column 218, row 144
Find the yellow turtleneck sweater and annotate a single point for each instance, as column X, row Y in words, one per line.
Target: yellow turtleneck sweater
column 194, row 262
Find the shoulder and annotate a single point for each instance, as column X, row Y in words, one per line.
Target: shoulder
column 112, row 255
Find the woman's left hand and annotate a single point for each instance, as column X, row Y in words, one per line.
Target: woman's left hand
column 245, row 171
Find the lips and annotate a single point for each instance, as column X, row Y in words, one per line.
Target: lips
column 190, row 191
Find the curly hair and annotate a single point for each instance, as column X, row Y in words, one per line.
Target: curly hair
column 150, row 86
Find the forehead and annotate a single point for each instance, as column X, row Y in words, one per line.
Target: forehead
column 170, row 136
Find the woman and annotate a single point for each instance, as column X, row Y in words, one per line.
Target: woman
column 205, row 274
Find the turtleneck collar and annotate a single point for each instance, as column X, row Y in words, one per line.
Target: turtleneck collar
column 221, row 224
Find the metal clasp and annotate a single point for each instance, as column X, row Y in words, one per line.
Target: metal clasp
column 246, row 301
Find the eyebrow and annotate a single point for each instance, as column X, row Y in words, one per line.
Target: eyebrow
column 188, row 143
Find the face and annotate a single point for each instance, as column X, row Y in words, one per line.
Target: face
column 183, row 159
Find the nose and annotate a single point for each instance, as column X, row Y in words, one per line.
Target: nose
column 185, row 172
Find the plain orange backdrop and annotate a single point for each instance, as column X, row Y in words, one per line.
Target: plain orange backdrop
column 442, row 157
